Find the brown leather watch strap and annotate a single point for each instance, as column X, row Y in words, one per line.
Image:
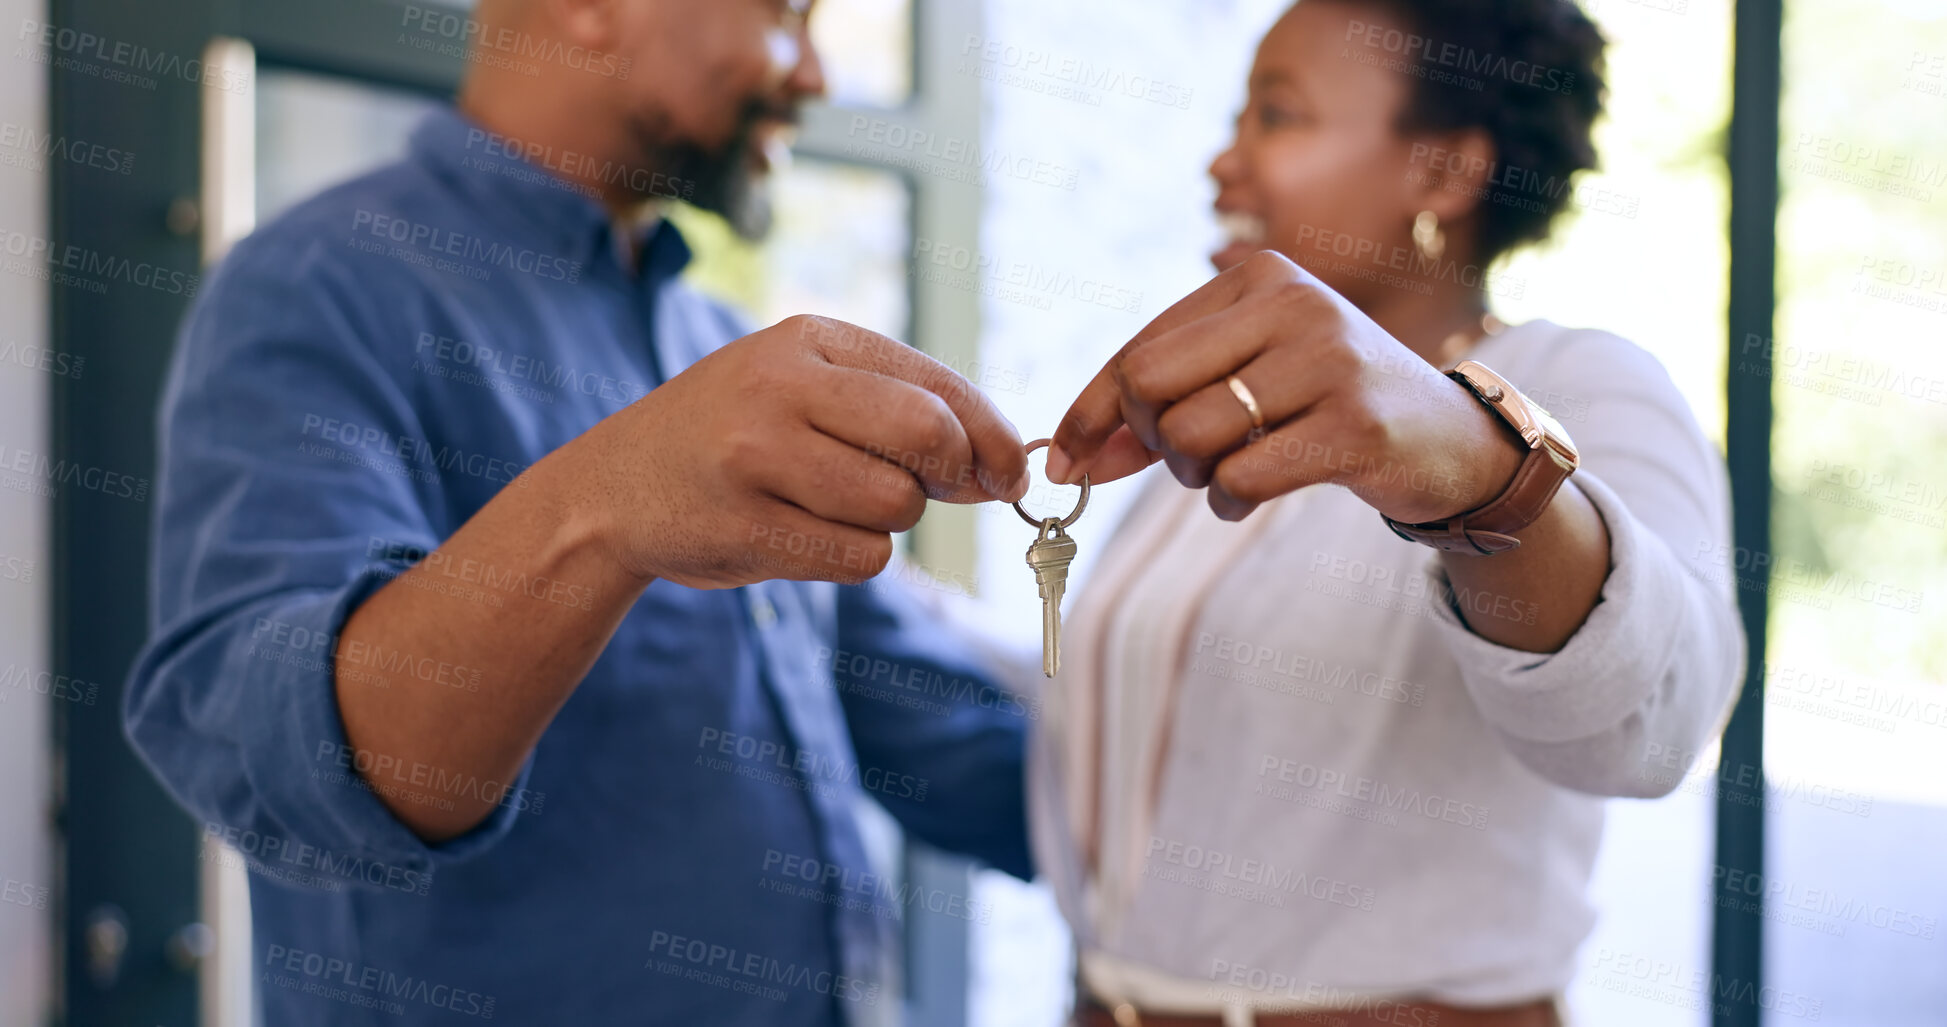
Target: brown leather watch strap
column 1491, row 528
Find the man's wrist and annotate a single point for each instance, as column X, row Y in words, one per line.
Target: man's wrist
column 585, row 529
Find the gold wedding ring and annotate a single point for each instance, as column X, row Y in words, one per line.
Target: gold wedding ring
column 1080, row 505
column 1243, row 394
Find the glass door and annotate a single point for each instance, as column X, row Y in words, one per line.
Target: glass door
column 1855, row 680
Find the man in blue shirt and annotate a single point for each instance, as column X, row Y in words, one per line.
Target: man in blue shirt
column 498, row 616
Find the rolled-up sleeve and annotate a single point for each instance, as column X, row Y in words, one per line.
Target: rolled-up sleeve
column 268, row 534
column 1641, row 688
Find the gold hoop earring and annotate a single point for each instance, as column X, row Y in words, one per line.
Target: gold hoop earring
column 1427, row 236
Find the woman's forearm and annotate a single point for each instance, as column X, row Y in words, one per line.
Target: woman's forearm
column 1556, row 575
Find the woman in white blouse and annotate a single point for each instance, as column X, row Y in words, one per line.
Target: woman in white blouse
column 1299, row 767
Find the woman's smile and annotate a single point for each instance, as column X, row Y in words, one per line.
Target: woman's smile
column 1244, row 234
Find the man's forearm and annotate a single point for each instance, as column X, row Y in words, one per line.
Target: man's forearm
column 509, row 614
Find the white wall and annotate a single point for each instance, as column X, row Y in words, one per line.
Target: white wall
column 26, row 870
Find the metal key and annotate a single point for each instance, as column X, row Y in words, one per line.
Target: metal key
column 1050, row 556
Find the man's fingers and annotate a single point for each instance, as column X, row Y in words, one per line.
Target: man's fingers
column 835, row 481
column 786, row 542
column 1000, row 463
column 909, row 428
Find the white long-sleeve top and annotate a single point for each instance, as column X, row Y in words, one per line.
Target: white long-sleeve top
column 1278, row 771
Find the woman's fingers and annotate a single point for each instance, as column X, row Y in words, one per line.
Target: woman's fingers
column 1199, row 393
column 1120, row 457
column 1285, row 377
column 1157, row 374
column 1097, row 414
column 1275, row 463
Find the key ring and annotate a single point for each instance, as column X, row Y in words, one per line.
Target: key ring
column 1071, row 518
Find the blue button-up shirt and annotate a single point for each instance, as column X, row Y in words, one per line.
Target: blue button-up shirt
column 358, row 379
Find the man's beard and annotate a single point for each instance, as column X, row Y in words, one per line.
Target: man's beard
column 727, row 181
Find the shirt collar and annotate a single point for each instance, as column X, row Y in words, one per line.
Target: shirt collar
column 521, row 195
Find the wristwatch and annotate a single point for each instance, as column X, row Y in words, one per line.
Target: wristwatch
column 1551, row 458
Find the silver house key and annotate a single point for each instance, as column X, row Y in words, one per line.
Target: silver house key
column 1049, row 557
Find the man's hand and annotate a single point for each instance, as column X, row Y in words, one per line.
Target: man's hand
column 793, row 453
column 1342, row 401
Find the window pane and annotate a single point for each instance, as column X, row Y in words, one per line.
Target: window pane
column 838, row 249
column 1651, row 221
column 867, row 46
column 1856, row 683
column 314, row 131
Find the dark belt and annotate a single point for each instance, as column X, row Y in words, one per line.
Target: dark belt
column 1089, row 1013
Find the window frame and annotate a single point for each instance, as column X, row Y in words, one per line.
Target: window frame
column 1737, row 930
column 945, row 324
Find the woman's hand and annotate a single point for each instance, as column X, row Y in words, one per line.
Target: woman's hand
column 1342, row 402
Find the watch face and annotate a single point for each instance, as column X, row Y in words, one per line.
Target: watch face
column 1548, row 422
column 1555, row 437
column 1538, row 427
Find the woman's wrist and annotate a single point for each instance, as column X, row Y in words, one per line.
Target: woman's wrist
column 1482, row 456
column 1496, row 457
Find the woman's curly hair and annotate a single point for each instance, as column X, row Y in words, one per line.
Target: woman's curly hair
column 1541, row 72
